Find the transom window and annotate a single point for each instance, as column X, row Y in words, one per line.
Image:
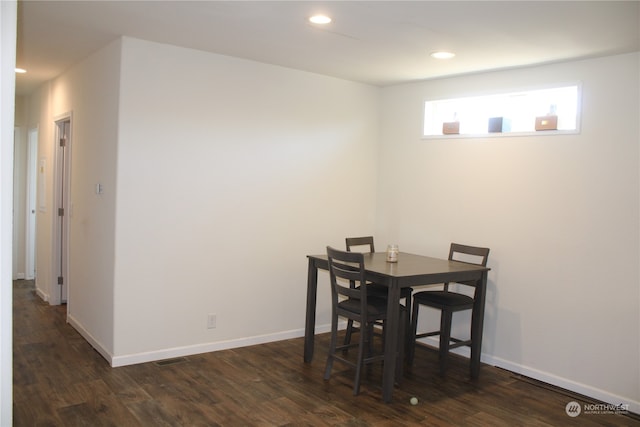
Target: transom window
column 554, row 109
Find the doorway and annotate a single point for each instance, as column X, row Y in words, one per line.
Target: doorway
column 62, row 180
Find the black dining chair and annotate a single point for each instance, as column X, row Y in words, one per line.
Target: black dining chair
column 365, row 245
column 354, row 303
column 447, row 302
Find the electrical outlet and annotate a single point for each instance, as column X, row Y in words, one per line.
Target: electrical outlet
column 211, row 321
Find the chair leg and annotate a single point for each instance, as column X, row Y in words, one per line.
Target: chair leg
column 369, row 338
column 471, row 347
column 348, row 333
column 363, row 334
column 445, row 335
column 412, row 334
column 407, row 325
column 402, row 344
column 332, row 347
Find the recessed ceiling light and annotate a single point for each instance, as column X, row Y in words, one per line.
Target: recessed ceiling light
column 20, row 70
column 443, row 55
column 320, row 19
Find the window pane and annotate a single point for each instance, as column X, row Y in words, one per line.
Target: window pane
column 518, row 109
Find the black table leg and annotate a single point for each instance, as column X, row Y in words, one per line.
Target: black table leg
column 477, row 320
column 391, row 340
column 310, row 323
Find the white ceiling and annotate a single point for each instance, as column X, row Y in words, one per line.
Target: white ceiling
column 376, row 42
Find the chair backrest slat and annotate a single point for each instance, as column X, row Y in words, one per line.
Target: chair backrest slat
column 347, row 267
column 360, row 241
column 481, row 253
column 470, row 254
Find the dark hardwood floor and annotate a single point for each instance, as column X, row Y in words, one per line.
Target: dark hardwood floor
column 59, row 380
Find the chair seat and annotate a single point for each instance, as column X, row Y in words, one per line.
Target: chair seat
column 441, row 298
column 375, row 306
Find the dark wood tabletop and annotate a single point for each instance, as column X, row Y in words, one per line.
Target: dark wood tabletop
column 412, row 269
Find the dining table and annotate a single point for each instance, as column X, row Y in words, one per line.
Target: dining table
column 410, row 270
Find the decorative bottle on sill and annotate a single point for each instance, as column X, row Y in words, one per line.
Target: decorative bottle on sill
column 550, row 121
column 451, row 128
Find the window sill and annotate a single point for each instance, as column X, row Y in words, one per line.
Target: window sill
column 502, row 134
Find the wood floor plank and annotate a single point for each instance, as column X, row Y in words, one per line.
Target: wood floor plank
column 59, row 380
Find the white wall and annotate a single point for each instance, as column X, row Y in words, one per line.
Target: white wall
column 20, row 169
column 229, row 173
column 8, row 19
column 40, row 116
column 94, row 101
column 560, row 214
column 88, row 93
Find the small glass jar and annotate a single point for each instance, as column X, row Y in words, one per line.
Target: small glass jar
column 392, row 253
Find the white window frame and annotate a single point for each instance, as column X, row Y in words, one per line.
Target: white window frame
column 435, row 124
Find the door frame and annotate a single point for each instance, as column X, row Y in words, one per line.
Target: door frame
column 58, row 293
column 16, row 209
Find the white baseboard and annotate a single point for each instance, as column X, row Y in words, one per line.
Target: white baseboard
column 90, row 339
column 152, row 356
column 169, row 353
column 43, row 295
column 567, row 384
column 545, row 377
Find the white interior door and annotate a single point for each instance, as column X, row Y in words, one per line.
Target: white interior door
column 32, row 178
